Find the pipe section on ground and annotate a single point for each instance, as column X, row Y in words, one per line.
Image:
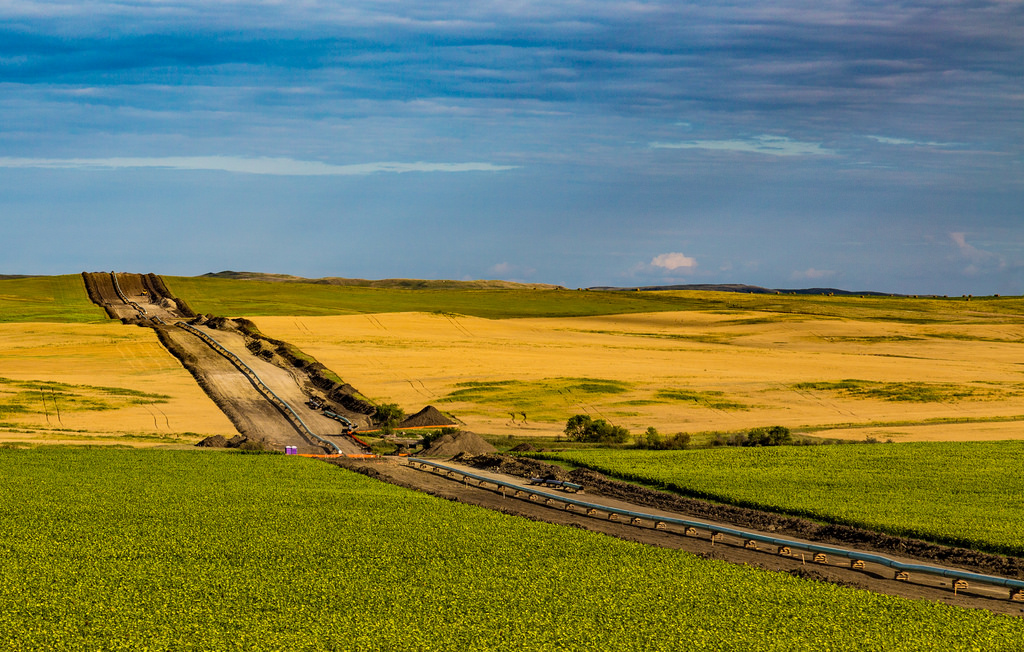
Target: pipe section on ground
column 748, row 535
column 257, row 382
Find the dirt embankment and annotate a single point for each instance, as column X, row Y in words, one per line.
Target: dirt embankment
column 147, row 290
column 253, row 415
column 316, row 378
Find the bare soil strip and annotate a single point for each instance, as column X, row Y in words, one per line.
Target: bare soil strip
column 250, row 412
column 603, row 491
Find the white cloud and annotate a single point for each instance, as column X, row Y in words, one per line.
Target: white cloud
column 771, row 145
column 812, row 274
column 906, row 141
column 673, row 261
column 263, row 165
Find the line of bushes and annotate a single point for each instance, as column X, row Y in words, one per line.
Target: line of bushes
column 583, row 428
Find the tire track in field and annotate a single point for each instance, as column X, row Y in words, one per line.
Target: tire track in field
column 820, row 400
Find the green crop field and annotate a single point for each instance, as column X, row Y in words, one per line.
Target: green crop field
column 133, row 549
column 234, row 297
column 47, row 299
column 960, row 493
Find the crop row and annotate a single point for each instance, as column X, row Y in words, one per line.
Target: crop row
column 137, row 549
column 961, row 493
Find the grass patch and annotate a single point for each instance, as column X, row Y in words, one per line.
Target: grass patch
column 263, row 298
column 47, row 299
column 40, row 397
column 908, row 392
column 544, row 400
column 870, row 339
column 957, row 493
column 704, row 338
column 710, row 399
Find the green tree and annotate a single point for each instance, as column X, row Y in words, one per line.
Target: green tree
column 768, row 436
column 576, row 427
column 582, row 428
column 387, row 416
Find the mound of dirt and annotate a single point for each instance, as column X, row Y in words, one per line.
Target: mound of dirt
column 217, row 441
column 523, row 448
column 461, row 443
column 524, row 467
column 238, row 441
column 429, row 416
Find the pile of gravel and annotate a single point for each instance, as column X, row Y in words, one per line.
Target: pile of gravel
column 428, row 416
column 461, row 443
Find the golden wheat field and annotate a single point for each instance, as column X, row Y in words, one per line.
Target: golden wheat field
column 98, row 383
column 683, row 371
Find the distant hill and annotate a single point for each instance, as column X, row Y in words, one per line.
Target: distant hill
column 405, row 283
column 745, row 289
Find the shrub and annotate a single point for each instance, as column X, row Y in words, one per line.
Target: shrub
column 653, row 440
column 769, row 436
column 582, row 428
column 387, row 416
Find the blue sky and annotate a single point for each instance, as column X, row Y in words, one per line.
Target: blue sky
column 861, row 145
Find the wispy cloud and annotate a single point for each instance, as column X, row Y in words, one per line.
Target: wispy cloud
column 978, row 260
column 269, row 166
column 771, row 145
column 885, row 140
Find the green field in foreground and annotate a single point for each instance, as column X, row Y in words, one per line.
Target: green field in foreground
column 961, row 493
column 233, row 297
column 47, row 299
column 136, row 549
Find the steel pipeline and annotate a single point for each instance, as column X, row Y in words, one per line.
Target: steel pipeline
column 260, row 385
column 756, row 536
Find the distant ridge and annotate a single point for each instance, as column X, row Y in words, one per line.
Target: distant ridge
column 744, row 289
column 404, row 283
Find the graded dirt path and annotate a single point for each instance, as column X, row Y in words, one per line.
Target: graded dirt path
column 251, row 412
column 285, row 384
column 872, row 578
column 146, row 290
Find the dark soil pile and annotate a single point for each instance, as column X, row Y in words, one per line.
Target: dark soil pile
column 461, row 443
column 217, row 441
column 427, row 417
column 524, row 467
column 523, row 448
column 238, row 441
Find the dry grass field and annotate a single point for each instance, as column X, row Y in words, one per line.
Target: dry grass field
column 692, row 371
column 101, row 383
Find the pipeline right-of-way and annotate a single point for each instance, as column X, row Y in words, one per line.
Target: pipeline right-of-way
column 1016, row 586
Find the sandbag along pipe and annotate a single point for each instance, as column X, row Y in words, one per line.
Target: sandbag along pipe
column 1014, row 585
column 297, row 421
